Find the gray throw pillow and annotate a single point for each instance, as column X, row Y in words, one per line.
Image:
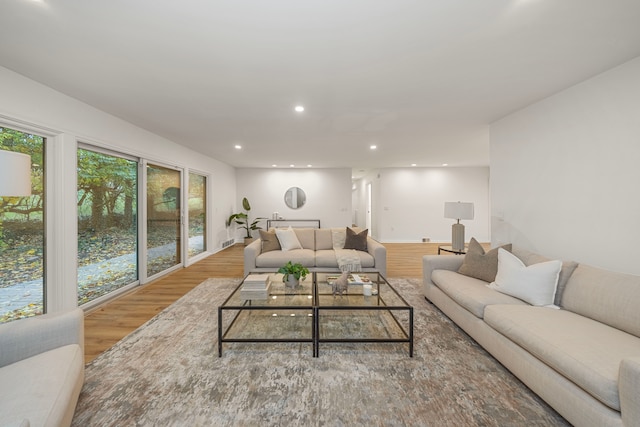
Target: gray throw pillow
column 269, row 241
column 481, row 265
column 357, row 241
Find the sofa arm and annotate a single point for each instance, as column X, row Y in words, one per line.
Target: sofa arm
column 379, row 254
column 28, row 337
column 251, row 252
column 439, row 262
column 629, row 390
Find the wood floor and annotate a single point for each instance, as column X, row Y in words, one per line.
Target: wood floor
column 111, row 322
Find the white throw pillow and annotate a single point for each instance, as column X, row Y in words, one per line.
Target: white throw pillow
column 288, row 239
column 535, row 284
column 338, row 237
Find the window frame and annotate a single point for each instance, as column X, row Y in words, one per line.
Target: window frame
column 207, row 219
column 135, row 283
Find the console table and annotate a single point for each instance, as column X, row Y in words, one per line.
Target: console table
column 296, row 223
column 449, row 248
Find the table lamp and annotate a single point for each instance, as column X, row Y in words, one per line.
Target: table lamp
column 15, row 174
column 458, row 211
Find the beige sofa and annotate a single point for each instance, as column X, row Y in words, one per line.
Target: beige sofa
column 583, row 360
column 41, row 369
column 317, row 253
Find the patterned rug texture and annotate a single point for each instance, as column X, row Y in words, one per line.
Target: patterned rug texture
column 168, row 373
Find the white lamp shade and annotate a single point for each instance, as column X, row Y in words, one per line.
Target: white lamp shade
column 458, row 210
column 15, row 174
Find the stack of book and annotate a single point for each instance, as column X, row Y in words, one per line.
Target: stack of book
column 256, row 286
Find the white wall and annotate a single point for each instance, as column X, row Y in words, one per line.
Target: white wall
column 565, row 173
column 328, row 194
column 408, row 203
column 28, row 105
column 359, row 203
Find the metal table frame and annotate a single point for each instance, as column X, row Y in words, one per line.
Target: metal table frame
column 316, row 309
column 222, row 335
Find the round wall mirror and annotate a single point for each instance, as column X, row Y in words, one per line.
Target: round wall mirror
column 295, row 197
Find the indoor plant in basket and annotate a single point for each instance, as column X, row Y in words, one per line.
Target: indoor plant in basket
column 293, row 273
column 242, row 219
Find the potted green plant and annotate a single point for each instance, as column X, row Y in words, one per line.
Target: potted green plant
column 293, row 273
column 242, row 219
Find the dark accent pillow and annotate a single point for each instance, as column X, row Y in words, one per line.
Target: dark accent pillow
column 357, row 241
column 481, row 265
column 269, row 241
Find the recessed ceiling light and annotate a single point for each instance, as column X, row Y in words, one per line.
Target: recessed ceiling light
column 373, row 147
column 299, row 108
column 274, row 166
column 309, row 166
column 238, row 146
column 292, row 166
column 445, row 164
column 413, row 164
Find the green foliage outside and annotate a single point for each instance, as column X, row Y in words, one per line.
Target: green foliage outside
column 22, row 225
column 107, row 222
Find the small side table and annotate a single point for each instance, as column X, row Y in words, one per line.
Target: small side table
column 449, row 248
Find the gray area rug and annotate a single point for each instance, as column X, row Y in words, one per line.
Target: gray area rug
column 168, row 373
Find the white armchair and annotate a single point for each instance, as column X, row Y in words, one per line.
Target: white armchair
column 41, row 369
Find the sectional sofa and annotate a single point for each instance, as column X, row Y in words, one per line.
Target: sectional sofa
column 41, row 369
column 317, row 252
column 582, row 359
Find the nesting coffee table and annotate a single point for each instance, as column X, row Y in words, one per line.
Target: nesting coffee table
column 310, row 313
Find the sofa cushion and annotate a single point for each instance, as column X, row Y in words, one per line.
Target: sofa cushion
column 43, row 389
column 269, row 241
column 288, row 239
column 471, row 293
column 306, row 237
column 535, row 284
column 356, row 240
column 338, row 236
column 276, row 259
column 323, row 239
column 586, row 352
column 529, row 258
column 608, row 297
column 479, row 264
column 327, row 258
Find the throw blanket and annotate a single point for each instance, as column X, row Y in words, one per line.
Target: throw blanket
column 348, row 260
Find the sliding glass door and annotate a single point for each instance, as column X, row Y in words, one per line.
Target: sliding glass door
column 197, row 214
column 122, row 241
column 107, row 223
column 164, row 216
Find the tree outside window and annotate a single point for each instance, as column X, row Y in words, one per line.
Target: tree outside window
column 22, row 235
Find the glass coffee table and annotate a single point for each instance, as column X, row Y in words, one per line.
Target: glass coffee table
column 382, row 317
column 310, row 313
column 285, row 315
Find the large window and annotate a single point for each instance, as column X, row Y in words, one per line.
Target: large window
column 197, row 214
column 163, row 218
column 22, row 235
column 107, row 223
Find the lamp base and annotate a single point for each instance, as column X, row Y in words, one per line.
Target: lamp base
column 457, row 237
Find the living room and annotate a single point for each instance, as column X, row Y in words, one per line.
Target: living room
column 557, row 176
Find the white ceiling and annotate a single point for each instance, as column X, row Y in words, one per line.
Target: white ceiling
column 421, row 79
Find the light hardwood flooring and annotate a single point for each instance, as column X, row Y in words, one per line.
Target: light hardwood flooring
column 109, row 323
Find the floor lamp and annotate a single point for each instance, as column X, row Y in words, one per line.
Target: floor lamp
column 458, row 211
column 15, row 174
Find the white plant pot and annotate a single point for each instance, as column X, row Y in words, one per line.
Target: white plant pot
column 291, row 281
